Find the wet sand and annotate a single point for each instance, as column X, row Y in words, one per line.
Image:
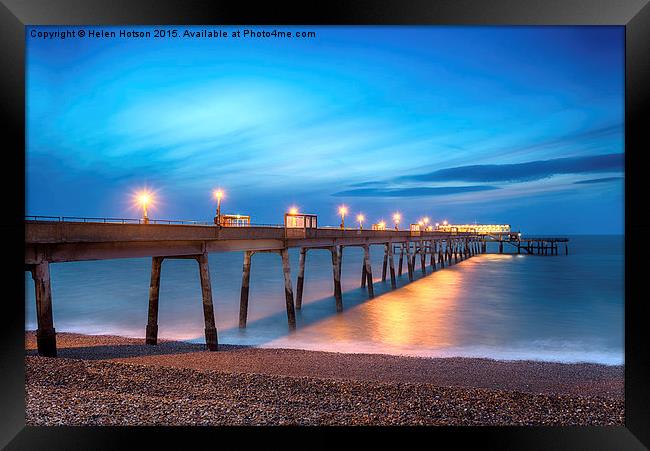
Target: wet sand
column 112, row 380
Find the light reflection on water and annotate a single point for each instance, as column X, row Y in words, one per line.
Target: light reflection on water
column 498, row 306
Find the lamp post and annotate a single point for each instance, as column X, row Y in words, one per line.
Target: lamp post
column 144, row 199
column 343, row 211
column 218, row 194
column 360, row 219
column 425, row 220
column 396, row 219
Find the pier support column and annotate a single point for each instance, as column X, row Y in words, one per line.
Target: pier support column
column 455, row 251
column 336, row 270
column 154, row 292
column 366, row 259
column 288, row 289
column 340, row 257
column 45, row 333
column 566, row 249
column 301, row 277
column 208, row 309
column 385, row 265
column 245, row 283
column 391, row 264
column 423, row 258
column 500, row 247
column 401, row 260
column 409, row 261
column 518, row 247
column 432, row 249
column 441, row 258
column 363, row 274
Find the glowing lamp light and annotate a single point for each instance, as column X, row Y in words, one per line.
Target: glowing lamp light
column 425, row 220
column 144, row 198
column 343, row 210
column 360, row 219
column 218, row 194
column 396, row 219
column 293, row 211
column 445, row 222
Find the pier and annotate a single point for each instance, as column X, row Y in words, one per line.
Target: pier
column 59, row 239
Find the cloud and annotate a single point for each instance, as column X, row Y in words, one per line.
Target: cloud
column 523, row 172
column 573, row 138
column 605, row 179
column 364, row 184
column 413, row 192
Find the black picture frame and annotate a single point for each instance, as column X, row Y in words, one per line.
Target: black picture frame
column 633, row 14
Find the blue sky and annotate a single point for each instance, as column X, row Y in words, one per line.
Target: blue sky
column 518, row 125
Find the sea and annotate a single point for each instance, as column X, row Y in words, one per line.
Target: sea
column 564, row 308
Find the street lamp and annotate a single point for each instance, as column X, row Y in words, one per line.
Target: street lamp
column 396, row 219
column 218, row 194
column 445, row 222
column 360, row 219
column 144, row 198
column 343, row 211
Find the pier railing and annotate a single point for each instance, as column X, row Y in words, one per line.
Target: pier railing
column 320, row 232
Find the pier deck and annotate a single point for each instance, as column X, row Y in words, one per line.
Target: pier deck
column 55, row 241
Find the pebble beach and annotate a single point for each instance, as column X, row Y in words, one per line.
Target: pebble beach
column 110, row 380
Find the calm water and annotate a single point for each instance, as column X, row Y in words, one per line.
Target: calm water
column 559, row 308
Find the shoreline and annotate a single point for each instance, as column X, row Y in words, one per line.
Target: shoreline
column 94, row 381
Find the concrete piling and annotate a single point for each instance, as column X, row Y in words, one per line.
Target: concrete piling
column 154, row 292
column 423, row 258
column 391, row 263
column 208, row 309
column 45, row 333
column 409, row 261
column 366, row 259
column 433, row 250
column 301, row 277
column 288, row 289
column 336, row 270
column 245, row 283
